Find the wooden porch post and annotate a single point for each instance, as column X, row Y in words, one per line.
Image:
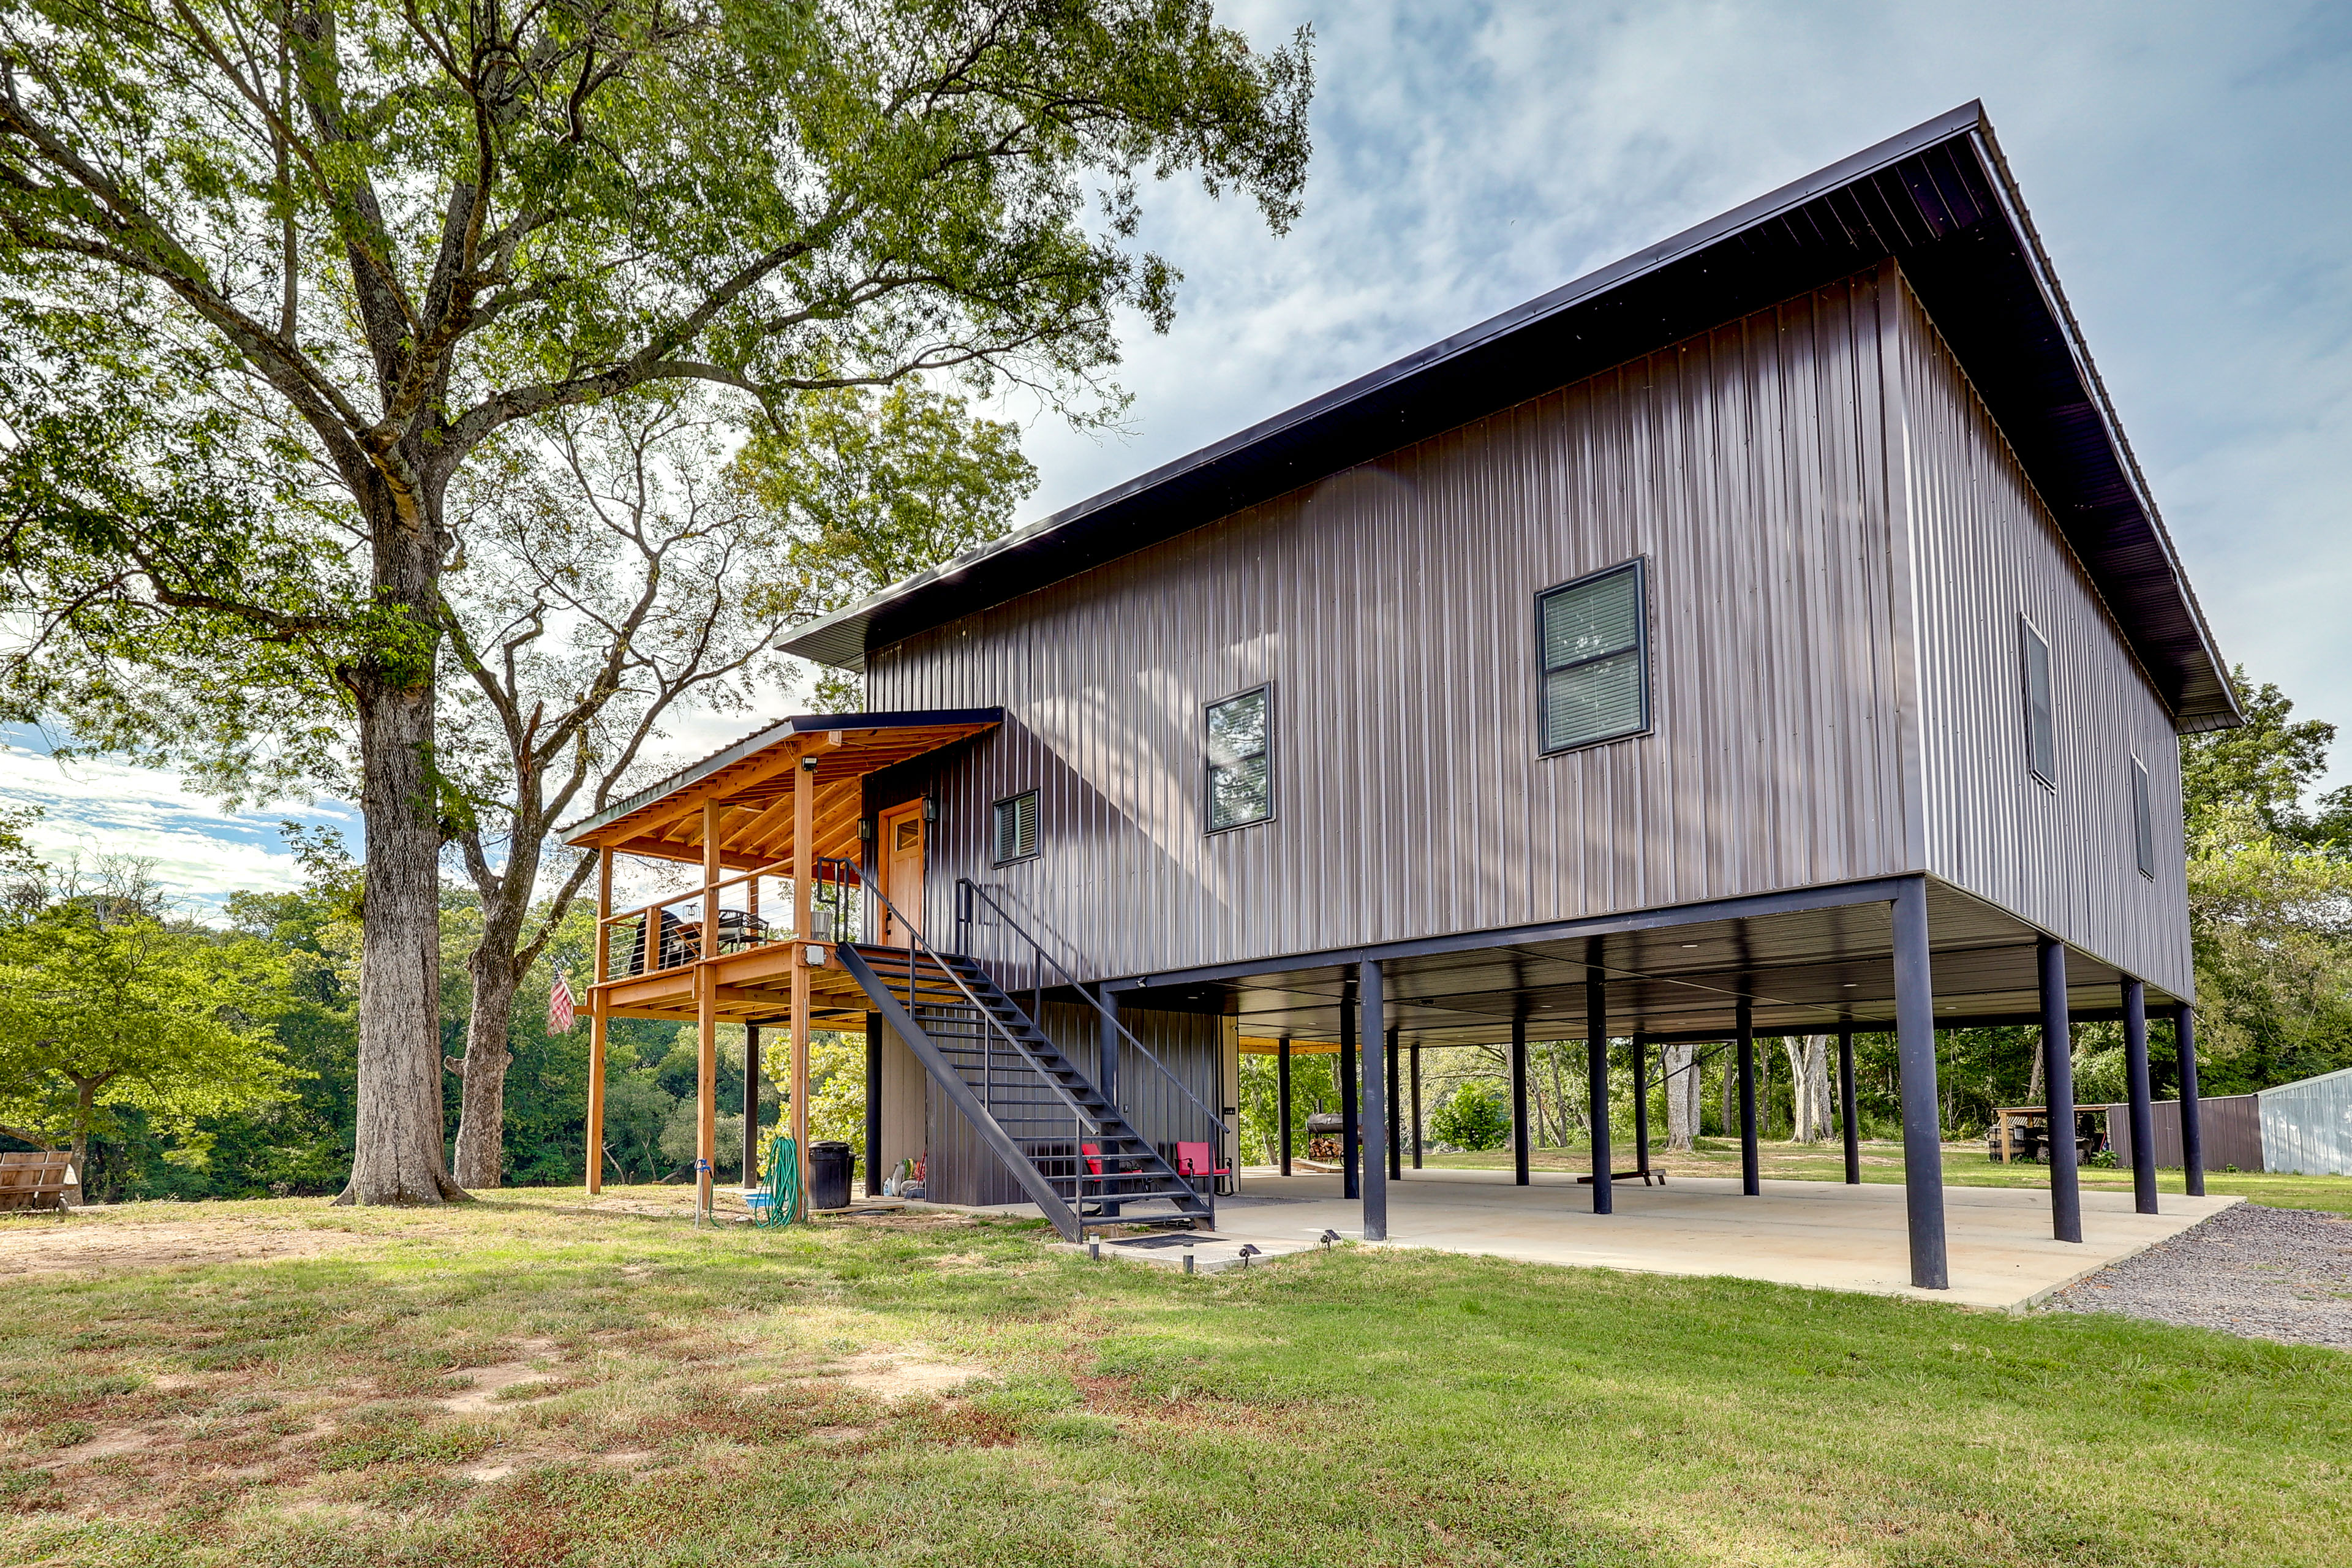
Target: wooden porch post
column 599, row 967
column 803, row 913
column 705, row 1019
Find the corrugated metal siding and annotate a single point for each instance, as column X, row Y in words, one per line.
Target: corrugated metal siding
column 1986, row 549
column 2307, row 1126
column 1391, row 606
column 2231, row 1123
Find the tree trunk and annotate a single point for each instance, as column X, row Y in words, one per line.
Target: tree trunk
column 84, row 1105
column 397, row 1156
column 481, row 1118
column 1681, row 1103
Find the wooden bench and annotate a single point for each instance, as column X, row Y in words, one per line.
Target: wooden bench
column 38, row 1180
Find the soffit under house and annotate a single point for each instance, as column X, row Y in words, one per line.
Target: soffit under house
column 1938, row 199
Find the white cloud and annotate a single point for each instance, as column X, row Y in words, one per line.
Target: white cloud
column 201, row 853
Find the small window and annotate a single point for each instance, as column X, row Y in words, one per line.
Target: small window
column 1241, row 760
column 1014, row 824
column 1596, row 666
column 2041, row 720
column 2143, row 823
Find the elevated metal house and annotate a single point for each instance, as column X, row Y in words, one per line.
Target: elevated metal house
column 1771, row 630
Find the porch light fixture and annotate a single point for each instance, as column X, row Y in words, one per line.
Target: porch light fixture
column 808, row 763
column 930, row 809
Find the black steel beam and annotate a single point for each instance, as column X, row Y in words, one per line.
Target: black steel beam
column 1349, row 1131
column 1850, row 1127
column 1281, row 1091
column 2192, row 1114
column 1596, row 1067
column 1369, row 982
column 1914, row 1044
column 1744, row 1033
column 1519, row 1101
column 2058, row 1094
column 2143, row 1112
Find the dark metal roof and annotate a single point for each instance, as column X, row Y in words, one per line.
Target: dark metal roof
column 760, row 740
column 1939, row 199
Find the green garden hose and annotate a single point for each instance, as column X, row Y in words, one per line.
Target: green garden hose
column 783, row 1205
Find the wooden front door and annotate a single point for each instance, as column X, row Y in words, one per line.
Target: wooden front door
column 901, row 828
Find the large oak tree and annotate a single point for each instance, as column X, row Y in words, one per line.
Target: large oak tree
column 352, row 243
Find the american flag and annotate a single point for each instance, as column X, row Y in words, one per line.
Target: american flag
column 560, row 1006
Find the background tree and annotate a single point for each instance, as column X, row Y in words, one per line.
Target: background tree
column 104, row 1006
column 1473, row 1117
column 366, row 240
column 626, row 567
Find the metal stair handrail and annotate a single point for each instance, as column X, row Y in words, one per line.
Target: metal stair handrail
column 915, row 940
column 965, row 885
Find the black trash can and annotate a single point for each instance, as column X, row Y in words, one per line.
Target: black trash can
column 829, row 1164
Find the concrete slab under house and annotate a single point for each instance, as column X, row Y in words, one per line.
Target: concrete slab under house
column 1769, row 632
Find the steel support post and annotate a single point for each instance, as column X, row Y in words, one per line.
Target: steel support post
column 1416, row 1108
column 1350, row 1160
column 1852, row 1130
column 2058, row 1077
column 1914, row 1044
column 1750, row 1174
column 1519, row 1101
column 1640, row 1106
column 2136, row 1084
column 1376, row 1174
column 878, row 1166
column 1107, row 1062
column 1596, row 1071
column 1282, row 1093
column 1396, row 1144
column 2192, row 1115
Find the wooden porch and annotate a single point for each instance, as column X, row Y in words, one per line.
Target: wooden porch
column 777, row 826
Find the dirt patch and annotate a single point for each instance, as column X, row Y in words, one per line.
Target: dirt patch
column 100, row 1246
column 105, row 1446
column 897, row 1374
column 502, row 1382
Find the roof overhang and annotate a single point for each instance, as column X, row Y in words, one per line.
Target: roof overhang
column 1938, row 199
column 757, row 767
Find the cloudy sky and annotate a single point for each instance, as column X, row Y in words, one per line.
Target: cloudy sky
column 2186, row 165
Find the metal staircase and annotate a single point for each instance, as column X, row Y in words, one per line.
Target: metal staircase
column 1070, row 1148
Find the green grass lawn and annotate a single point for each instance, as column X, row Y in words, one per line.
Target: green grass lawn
column 1965, row 1164
column 532, row 1380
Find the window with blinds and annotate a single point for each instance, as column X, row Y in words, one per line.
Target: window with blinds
column 2143, row 820
column 1596, row 664
column 1013, row 827
column 2041, row 717
column 1241, row 760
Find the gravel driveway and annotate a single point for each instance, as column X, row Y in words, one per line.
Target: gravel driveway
column 2265, row 1273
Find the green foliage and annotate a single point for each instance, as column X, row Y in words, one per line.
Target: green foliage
column 1473, row 1117
column 2261, row 771
column 98, row 1015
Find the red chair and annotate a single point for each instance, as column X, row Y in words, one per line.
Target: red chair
column 1195, row 1160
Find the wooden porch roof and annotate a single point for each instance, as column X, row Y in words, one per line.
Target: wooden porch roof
column 752, row 782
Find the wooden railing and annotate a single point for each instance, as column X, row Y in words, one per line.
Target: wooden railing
column 755, row 909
